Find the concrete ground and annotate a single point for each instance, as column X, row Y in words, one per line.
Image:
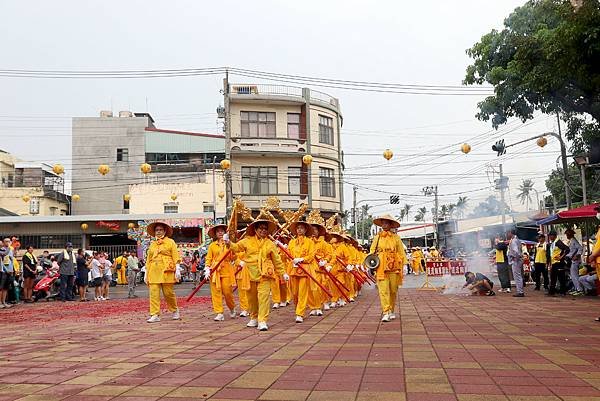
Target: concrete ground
column 440, row 348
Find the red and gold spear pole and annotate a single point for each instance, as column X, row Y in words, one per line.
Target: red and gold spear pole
column 289, row 255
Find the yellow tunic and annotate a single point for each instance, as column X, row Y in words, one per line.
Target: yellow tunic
column 215, row 251
column 390, row 250
column 302, row 247
column 340, row 253
column 160, row 263
column 261, row 258
column 323, row 251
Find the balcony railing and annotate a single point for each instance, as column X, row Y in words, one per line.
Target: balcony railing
column 285, row 201
column 280, row 90
column 265, row 89
column 268, row 145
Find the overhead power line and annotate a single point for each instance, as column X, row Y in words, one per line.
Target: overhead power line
column 354, row 85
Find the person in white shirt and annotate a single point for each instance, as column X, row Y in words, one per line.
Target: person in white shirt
column 515, row 259
column 97, row 273
column 107, row 275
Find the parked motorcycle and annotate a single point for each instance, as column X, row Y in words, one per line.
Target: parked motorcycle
column 47, row 287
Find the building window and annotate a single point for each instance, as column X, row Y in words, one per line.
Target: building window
column 326, row 130
column 208, row 208
column 259, row 180
column 171, row 208
column 294, row 174
column 327, row 182
column 257, row 124
column 125, row 204
column 293, row 128
column 122, row 154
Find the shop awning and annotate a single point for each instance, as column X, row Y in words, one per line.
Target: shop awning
column 582, row 213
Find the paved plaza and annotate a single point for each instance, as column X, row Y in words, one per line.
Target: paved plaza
column 440, row 348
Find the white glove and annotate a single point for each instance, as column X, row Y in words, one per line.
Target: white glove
column 278, row 243
column 286, row 277
column 146, row 279
column 322, row 262
column 226, row 238
column 297, row 261
column 328, row 268
column 206, row 273
column 242, row 263
column 177, row 275
column 349, row 268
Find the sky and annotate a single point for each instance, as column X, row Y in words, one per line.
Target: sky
column 420, row 42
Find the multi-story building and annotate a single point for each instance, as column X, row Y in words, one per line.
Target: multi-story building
column 30, row 189
column 269, row 128
column 126, row 142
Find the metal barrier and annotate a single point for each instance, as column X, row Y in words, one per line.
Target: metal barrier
column 113, row 250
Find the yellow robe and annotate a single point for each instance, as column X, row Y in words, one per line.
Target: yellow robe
column 221, row 279
column 160, row 272
column 392, row 259
column 323, row 252
column 263, row 264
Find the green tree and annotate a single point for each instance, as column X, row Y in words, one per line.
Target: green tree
column 490, row 207
column 556, row 186
column 406, row 210
column 525, row 190
column 461, row 206
column 420, row 216
column 451, row 210
column 546, row 58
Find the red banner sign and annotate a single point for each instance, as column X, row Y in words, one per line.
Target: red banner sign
column 443, row 267
column 109, row 225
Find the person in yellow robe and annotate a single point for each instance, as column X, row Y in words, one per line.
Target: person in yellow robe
column 340, row 265
column 242, row 292
column 221, row 277
column 392, row 258
column 260, row 265
column 302, row 250
column 323, row 257
column 121, row 267
column 417, row 261
column 161, row 267
column 434, row 253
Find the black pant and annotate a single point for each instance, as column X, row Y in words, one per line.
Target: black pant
column 558, row 272
column 66, row 287
column 503, row 275
column 539, row 272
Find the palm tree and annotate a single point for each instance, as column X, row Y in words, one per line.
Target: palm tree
column 451, row 210
column 406, row 210
column 525, row 190
column 461, row 206
column 402, row 214
column 420, row 216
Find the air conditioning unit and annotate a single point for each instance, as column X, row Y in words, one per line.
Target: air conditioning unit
column 124, row 114
column 106, row 113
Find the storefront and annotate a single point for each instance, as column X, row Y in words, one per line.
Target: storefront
column 111, row 233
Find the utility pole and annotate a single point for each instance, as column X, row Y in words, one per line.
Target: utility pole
column 354, row 212
column 214, row 191
column 228, row 187
column 502, row 187
column 563, row 153
column 436, row 205
column 428, row 191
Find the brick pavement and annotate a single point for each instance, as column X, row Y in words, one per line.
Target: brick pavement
column 441, row 348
